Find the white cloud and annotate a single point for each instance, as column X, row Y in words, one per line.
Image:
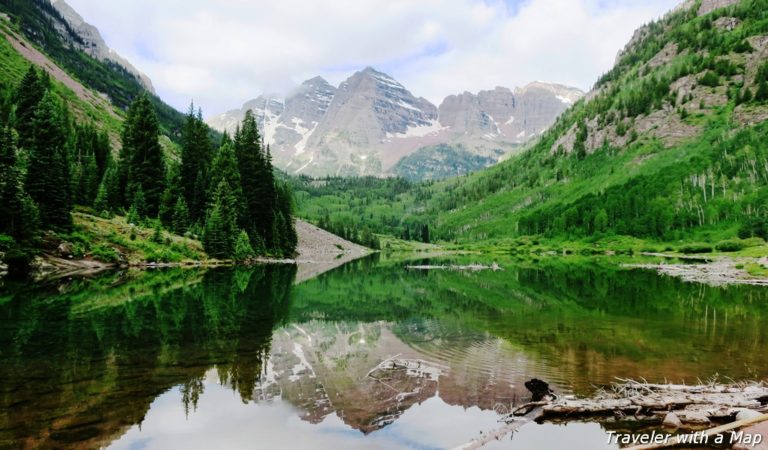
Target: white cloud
column 225, row 52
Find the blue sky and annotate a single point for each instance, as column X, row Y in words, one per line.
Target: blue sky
column 223, row 53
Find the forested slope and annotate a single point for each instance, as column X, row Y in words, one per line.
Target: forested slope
column 670, row 144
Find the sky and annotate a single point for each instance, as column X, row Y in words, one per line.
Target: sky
column 222, row 53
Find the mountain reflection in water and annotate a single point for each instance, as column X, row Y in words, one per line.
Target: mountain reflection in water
column 369, row 355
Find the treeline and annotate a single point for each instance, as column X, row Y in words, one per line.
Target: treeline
column 48, row 163
column 362, row 236
column 725, row 185
column 227, row 196
column 357, row 208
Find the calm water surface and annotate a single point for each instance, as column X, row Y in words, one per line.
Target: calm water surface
column 237, row 358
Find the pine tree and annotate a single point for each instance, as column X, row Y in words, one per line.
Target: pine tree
column 171, row 194
column 287, row 237
column 18, row 212
column 257, row 183
column 425, row 234
column 180, row 216
column 142, row 165
column 101, row 203
column 243, row 249
column 762, row 91
column 157, row 235
column 111, row 183
column 224, row 167
column 195, row 162
column 48, row 181
column 138, row 211
column 221, row 224
column 29, row 93
column 90, row 182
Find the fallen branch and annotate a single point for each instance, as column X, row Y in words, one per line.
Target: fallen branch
column 693, row 406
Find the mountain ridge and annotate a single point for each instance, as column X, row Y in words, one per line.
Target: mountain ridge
column 93, row 43
column 370, row 122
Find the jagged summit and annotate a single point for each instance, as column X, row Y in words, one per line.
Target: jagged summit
column 371, row 121
column 92, row 43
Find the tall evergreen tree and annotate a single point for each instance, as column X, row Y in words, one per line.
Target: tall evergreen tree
column 224, row 167
column 48, row 181
column 142, row 165
column 173, row 191
column 180, row 216
column 29, row 93
column 287, row 229
column 18, row 212
column 221, row 225
column 257, row 182
column 195, row 161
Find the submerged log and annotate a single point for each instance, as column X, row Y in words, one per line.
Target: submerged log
column 714, row 401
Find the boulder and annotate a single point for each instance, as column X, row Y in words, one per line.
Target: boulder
column 65, row 250
column 672, row 421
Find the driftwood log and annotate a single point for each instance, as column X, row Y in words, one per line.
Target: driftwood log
column 737, row 405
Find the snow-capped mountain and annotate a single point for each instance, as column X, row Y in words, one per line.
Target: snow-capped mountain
column 371, row 122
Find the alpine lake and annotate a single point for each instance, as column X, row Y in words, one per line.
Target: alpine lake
column 372, row 354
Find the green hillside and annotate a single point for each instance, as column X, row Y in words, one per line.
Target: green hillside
column 34, row 19
column 669, row 146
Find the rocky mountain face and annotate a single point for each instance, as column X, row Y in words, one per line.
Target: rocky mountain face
column 87, row 38
column 304, row 369
column 735, row 73
column 371, row 122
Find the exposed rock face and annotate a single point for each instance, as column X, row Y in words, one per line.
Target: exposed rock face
column 89, row 40
column 372, row 121
column 369, row 109
column 708, row 6
column 666, row 123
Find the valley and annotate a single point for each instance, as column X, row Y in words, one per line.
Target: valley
column 345, row 262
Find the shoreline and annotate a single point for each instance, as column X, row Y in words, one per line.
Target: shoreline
column 713, row 271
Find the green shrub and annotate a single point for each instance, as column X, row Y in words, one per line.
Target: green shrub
column 162, row 256
column 695, row 248
column 753, row 242
column 105, row 253
column 729, row 246
column 243, row 249
column 710, row 79
column 6, row 242
column 78, row 237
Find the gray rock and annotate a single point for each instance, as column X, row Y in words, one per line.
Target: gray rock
column 708, row 6
column 91, row 42
column 695, row 418
column 65, row 250
column 745, row 414
column 672, row 421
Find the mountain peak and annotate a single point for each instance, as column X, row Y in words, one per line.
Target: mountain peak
column 93, row 44
column 318, row 80
column 371, row 121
